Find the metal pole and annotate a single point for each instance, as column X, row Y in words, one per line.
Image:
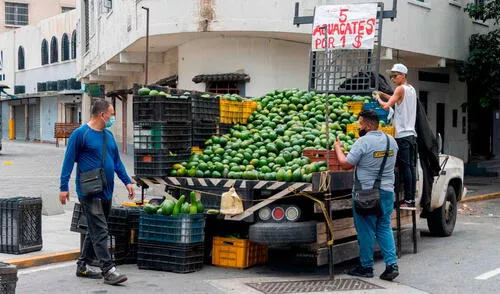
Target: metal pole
column 147, row 44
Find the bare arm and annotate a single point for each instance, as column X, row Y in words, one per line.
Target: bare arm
column 396, row 97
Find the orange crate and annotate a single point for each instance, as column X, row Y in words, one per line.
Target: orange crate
column 320, row 155
column 231, row 111
column 237, row 253
column 355, row 106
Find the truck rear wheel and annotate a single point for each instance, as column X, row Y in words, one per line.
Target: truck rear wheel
column 283, row 233
column 441, row 221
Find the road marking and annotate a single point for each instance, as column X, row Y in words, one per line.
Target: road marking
column 45, row 268
column 488, row 275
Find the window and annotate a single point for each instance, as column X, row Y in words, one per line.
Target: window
column 16, row 14
column 66, row 9
column 45, row 52
column 20, row 58
column 64, row 47
column 54, row 51
column 73, row 45
column 226, row 87
column 86, row 21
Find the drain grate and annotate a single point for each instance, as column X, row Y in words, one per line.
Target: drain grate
column 312, row 286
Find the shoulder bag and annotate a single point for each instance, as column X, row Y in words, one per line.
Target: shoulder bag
column 367, row 202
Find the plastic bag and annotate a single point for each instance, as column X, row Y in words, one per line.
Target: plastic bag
column 231, row 203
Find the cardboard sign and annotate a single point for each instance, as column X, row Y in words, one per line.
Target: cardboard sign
column 349, row 26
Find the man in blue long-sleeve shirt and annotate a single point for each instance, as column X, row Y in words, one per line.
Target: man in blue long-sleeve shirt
column 85, row 147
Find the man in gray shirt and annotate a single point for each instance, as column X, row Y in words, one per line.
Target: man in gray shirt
column 367, row 155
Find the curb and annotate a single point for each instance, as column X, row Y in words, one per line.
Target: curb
column 482, row 197
column 44, row 259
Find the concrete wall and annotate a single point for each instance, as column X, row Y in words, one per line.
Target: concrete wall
column 53, row 72
column 270, row 63
column 37, row 10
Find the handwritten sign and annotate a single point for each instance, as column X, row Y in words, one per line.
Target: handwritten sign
column 347, row 26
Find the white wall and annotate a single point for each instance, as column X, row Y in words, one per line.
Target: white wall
column 270, row 63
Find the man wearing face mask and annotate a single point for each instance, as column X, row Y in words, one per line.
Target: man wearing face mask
column 367, row 155
column 92, row 146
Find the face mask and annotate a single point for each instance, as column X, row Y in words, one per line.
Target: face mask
column 362, row 132
column 110, row 122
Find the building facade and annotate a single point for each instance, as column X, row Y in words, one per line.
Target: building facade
column 39, row 67
column 257, row 38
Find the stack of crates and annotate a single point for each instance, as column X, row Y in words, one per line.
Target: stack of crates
column 20, row 225
column 123, row 224
column 171, row 243
column 206, row 116
column 162, row 133
column 8, row 278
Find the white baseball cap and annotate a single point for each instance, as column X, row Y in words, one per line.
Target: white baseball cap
column 399, row 67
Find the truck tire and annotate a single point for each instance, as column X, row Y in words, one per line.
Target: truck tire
column 283, row 233
column 441, row 221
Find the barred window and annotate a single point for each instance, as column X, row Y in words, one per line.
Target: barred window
column 16, row 14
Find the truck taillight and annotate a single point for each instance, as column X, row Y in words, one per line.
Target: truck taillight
column 265, row 213
column 292, row 213
column 278, row 213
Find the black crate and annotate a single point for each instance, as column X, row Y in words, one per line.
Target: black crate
column 225, row 128
column 122, row 220
column 156, row 163
column 20, row 225
column 161, row 109
column 158, row 136
column 78, row 220
column 184, row 228
column 205, row 108
column 8, row 278
column 178, row 258
column 202, row 131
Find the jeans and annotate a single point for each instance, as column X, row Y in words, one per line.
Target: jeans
column 406, row 161
column 96, row 211
column 379, row 226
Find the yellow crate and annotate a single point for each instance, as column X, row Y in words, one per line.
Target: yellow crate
column 389, row 130
column 355, row 106
column 237, row 253
column 231, row 111
column 196, row 149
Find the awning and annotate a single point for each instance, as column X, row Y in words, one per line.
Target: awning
column 221, row 78
column 170, row 81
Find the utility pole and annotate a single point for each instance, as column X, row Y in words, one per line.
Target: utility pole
column 147, row 44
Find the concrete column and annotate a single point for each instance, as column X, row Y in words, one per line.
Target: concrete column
column 86, row 104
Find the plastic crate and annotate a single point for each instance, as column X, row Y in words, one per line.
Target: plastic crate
column 8, row 278
column 248, row 108
column 237, row 253
column 205, row 108
column 320, row 155
column 158, row 136
column 231, row 111
column 161, row 109
column 355, row 107
column 389, row 130
column 225, row 128
column 77, row 225
column 118, row 222
column 183, row 228
column 370, row 105
column 156, row 163
column 202, row 131
column 179, row 258
column 20, row 225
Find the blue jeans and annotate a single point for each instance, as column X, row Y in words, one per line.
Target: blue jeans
column 96, row 211
column 379, row 226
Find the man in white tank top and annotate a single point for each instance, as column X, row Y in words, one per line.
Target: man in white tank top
column 404, row 101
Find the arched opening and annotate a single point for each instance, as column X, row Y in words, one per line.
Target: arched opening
column 73, row 45
column 54, row 51
column 64, row 47
column 45, row 52
column 20, row 58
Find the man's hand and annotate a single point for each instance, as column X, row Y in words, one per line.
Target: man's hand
column 63, row 197
column 131, row 191
column 337, row 144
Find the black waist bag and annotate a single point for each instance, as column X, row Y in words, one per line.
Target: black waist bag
column 367, row 202
column 93, row 182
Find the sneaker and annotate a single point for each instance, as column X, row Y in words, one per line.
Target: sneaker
column 114, row 277
column 83, row 271
column 390, row 273
column 407, row 203
column 359, row 271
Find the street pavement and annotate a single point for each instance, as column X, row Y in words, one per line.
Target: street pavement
column 466, row 262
